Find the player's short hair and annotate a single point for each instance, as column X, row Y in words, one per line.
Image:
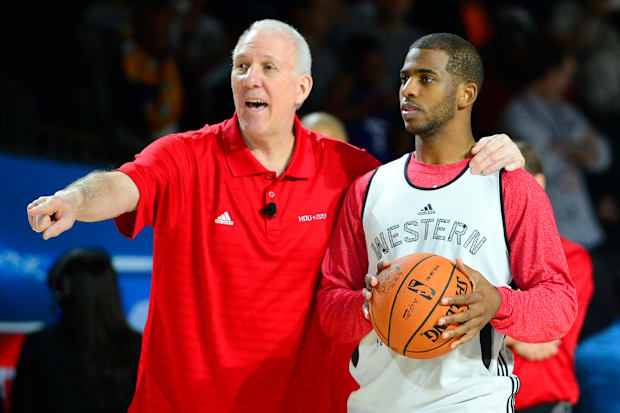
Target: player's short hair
column 533, row 163
column 303, row 58
column 464, row 63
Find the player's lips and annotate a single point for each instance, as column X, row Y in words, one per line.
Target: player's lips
column 408, row 109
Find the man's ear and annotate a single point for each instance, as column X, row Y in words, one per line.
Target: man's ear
column 304, row 86
column 466, row 94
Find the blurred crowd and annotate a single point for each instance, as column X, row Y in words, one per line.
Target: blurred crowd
column 96, row 81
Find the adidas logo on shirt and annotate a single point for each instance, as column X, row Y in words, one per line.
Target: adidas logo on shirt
column 427, row 210
column 224, row 219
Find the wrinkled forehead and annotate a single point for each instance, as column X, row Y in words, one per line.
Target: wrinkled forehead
column 271, row 43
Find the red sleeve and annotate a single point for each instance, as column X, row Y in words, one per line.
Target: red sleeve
column 546, row 306
column 344, row 266
column 580, row 269
column 162, row 173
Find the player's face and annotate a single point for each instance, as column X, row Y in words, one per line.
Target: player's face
column 266, row 89
column 427, row 91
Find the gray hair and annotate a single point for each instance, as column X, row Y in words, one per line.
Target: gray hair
column 303, row 61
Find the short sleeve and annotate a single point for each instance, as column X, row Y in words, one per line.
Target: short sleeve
column 163, row 173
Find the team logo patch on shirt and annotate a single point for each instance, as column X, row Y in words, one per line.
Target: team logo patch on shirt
column 427, row 210
column 312, row 217
column 224, row 219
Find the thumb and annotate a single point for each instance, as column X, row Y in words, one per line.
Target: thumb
column 479, row 145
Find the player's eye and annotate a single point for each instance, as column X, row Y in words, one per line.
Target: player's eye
column 427, row 79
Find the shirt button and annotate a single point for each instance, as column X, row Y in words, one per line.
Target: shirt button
column 271, row 194
column 269, row 176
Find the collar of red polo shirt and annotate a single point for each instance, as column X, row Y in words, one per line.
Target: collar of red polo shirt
column 242, row 163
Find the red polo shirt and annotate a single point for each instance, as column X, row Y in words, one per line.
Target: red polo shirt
column 553, row 379
column 231, row 325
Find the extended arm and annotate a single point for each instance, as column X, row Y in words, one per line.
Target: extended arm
column 96, row 197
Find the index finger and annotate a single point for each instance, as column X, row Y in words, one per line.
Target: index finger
column 371, row 280
column 382, row 265
column 466, row 299
column 47, row 207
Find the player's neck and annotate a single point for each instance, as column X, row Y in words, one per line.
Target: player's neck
column 446, row 146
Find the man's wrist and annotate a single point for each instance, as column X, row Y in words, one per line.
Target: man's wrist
column 72, row 196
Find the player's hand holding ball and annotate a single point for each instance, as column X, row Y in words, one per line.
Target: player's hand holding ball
column 483, row 304
column 371, row 282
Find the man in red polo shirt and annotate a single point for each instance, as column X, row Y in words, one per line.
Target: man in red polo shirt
column 547, row 370
column 242, row 212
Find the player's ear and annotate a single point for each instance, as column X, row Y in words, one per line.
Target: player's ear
column 466, row 94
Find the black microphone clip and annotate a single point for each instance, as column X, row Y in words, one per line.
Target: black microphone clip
column 270, row 209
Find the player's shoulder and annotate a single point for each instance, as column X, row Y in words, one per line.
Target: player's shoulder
column 519, row 179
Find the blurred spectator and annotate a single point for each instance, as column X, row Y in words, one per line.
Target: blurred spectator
column 102, row 31
column 325, row 124
column 358, row 97
column 387, row 22
column 322, row 23
column 88, row 361
column 546, row 370
column 152, row 97
column 201, row 43
column 562, row 135
column 504, row 56
column 585, row 26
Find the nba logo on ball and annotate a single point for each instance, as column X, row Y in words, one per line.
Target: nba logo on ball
column 405, row 305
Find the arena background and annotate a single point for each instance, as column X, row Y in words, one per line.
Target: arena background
column 64, row 112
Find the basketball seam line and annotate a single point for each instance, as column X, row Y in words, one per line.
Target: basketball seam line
column 431, row 311
column 396, row 295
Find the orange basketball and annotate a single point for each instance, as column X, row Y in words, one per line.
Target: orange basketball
column 405, row 305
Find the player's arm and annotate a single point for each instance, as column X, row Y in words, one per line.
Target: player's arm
column 96, row 197
column 345, row 264
column 534, row 351
column 495, row 152
column 546, row 306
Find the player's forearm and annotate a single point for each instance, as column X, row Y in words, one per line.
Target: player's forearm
column 542, row 314
column 101, row 195
column 340, row 313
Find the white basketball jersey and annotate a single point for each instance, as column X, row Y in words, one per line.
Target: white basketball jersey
column 463, row 218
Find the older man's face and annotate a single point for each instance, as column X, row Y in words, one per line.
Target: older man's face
column 265, row 88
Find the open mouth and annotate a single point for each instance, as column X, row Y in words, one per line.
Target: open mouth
column 255, row 104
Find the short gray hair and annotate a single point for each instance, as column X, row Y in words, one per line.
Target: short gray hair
column 303, row 61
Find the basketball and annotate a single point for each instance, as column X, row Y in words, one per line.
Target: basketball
column 405, row 305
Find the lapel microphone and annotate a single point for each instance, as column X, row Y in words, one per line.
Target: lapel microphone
column 270, row 209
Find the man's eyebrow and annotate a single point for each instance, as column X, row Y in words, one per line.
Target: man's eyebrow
column 264, row 57
column 419, row 71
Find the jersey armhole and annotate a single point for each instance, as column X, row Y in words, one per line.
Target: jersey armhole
column 366, row 194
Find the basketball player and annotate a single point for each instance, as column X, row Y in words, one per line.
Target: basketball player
column 496, row 227
column 547, row 370
column 242, row 212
